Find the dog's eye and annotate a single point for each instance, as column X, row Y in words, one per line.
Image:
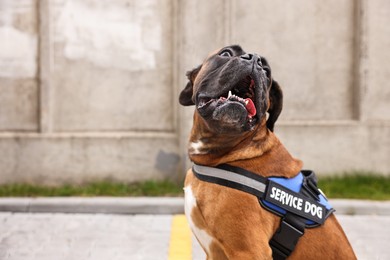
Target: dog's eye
column 226, row 53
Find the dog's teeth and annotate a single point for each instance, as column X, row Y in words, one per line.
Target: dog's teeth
column 230, row 93
column 246, row 102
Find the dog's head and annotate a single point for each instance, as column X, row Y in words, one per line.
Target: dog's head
column 233, row 90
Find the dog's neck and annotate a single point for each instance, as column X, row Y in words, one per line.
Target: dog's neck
column 255, row 150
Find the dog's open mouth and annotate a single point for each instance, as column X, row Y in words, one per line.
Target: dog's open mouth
column 243, row 92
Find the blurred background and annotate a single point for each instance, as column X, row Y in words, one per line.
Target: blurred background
column 89, row 88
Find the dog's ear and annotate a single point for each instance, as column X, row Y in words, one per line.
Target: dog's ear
column 186, row 94
column 276, row 104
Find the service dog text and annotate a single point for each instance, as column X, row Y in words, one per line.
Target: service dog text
column 297, row 203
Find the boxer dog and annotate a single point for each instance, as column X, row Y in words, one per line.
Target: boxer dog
column 237, row 103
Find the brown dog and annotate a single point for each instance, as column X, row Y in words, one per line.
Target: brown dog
column 233, row 91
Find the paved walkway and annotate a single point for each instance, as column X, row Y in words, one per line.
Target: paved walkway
column 60, row 236
column 144, row 228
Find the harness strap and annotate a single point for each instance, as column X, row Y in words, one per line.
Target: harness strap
column 292, row 225
column 309, row 185
column 283, row 242
column 243, row 180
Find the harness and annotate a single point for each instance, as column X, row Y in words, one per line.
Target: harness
column 298, row 200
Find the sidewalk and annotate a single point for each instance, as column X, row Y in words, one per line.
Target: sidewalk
column 110, row 228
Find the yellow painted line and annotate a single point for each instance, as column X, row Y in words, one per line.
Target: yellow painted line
column 180, row 243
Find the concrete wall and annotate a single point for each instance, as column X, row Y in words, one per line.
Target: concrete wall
column 88, row 88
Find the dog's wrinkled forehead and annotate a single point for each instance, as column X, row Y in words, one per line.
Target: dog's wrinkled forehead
column 235, row 49
column 212, row 61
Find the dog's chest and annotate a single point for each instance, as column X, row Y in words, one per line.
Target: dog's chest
column 190, row 208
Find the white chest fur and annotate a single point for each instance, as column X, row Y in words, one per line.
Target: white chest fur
column 190, row 205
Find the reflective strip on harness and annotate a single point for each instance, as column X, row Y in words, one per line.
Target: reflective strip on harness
column 276, row 194
column 220, row 175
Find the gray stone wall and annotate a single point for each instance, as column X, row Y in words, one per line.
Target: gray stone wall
column 88, row 88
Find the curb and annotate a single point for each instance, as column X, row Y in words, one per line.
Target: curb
column 154, row 205
column 361, row 207
column 98, row 205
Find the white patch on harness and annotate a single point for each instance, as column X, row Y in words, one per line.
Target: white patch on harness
column 189, row 204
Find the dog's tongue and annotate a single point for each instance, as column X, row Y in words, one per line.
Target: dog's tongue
column 250, row 107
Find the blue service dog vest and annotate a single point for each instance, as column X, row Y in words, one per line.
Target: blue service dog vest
column 297, row 200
